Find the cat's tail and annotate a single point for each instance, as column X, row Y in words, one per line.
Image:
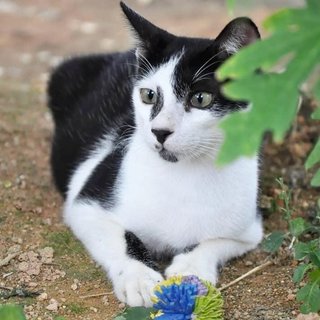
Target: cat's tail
column 70, row 82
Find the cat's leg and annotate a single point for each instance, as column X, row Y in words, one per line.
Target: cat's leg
column 116, row 250
column 204, row 259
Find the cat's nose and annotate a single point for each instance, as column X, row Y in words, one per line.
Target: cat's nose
column 161, row 135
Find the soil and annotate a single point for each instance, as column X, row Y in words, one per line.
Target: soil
column 43, row 256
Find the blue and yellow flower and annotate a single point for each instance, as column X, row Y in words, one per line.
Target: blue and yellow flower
column 186, row 298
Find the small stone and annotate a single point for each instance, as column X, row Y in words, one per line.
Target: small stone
column 46, row 254
column 25, row 58
column 248, row 263
column 95, row 310
column 7, row 184
column 14, row 249
column 17, row 240
column 42, row 297
column 32, row 284
column 53, row 305
column 74, row 286
column 121, row 305
column 88, row 27
column 310, row 316
column 23, row 266
column 291, row 297
column 105, row 300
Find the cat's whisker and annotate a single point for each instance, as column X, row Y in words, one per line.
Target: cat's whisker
column 203, row 66
column 145, row 61
column 138, row 66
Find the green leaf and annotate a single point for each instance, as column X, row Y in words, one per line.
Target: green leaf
column 315, row 182
column 301, row 250
column 230, row 5
column 314, row 156
column 273, row 96
column 315, row 257
column 315, row 275
column 11, row 312
column 273, row 242
column 300, row 271
column 316, row 113
column 310, row 295
column 316, row 90
column 297, row 226
column 135, row 313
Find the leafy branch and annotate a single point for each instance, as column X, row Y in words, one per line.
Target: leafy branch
column 294, row 44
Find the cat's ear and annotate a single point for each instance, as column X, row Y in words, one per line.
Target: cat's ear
column 238, row 33
column 149, row 36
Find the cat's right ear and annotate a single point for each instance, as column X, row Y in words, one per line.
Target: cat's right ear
column 237, row 34
column 149, row 36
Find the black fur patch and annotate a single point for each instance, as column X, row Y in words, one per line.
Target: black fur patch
column 158, row 105
column 137, row 250
column 87, row 102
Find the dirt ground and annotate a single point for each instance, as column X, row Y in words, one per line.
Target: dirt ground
column 43, row 256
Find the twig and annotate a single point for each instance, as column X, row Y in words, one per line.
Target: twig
column 8, row 258
column 254, row 270
column 96, row 295
column 6, row 275
column 6, row 288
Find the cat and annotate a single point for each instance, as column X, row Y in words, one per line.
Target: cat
column 133, row 155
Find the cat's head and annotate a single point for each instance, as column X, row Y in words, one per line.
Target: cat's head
column 177, row 100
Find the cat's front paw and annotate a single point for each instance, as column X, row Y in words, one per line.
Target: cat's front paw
column 189, row 264
column 134, row 283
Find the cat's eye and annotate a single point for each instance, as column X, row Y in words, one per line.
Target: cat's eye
column 201, row 99
column 148, row 96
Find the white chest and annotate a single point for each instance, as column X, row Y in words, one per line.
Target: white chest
column 179, row 204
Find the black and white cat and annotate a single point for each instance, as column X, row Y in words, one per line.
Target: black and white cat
column 136, row 135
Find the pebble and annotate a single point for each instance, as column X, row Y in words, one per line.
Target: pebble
column 74, row 286
column 46, row 254
column 88, row 27
column 7, row 6
column 105, row 300
column 32, row 284
column 310, row 316
column 291, row 297
column 53, row 305
column 42, row 297
column 25, row 58
column 121, row 305
column 14, row 249
column 95, row 310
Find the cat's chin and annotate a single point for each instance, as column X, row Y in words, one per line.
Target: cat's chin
column 168, row 156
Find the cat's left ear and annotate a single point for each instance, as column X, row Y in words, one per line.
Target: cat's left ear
column 149, row 36
column 238, row 33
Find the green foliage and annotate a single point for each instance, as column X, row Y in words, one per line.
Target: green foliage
column 230, row 5
column 63, row 242
column 273, row 242
column 307, row 252
column 274, row 96
column 294, row 47
column 135, row 313
column 11, row 312
column 209, row 308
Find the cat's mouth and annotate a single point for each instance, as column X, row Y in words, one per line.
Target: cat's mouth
column 167, row 155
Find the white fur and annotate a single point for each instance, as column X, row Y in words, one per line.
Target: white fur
column 168, row 205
